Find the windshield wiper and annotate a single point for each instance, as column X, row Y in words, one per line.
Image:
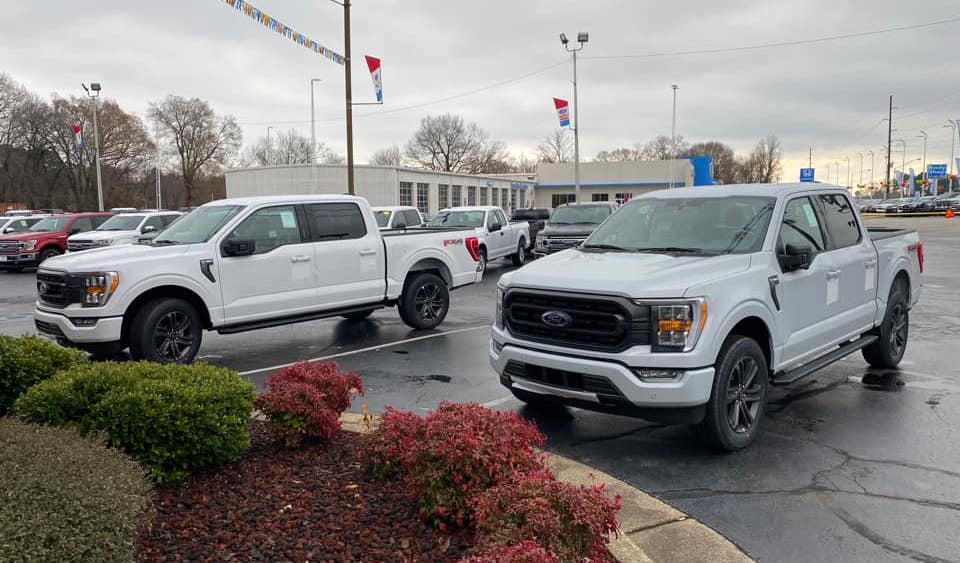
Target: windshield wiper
column 677, row 249
column 164, row 241
column 608, row 247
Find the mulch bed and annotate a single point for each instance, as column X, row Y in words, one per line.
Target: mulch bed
column 315, row 503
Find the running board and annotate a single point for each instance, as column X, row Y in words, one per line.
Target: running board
column 792, row 376
column 283, row 321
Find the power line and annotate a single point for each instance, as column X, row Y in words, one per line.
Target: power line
column 779, row 43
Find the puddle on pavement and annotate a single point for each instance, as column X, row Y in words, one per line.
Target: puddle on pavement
column 426, row 378
column 889, row 381
column 401, row 352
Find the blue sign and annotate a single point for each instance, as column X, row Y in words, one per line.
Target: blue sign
column 519, row 185
column 936, row 171
column 806, row 174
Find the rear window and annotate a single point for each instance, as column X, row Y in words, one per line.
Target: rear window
column 841, row 222
column 335, row 221
column 383, row 217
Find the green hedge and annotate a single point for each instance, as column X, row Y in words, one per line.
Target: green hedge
column 28, row 360
column 173, row 419
column 67, row 498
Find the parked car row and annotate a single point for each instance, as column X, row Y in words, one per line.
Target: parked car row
column 925, row 204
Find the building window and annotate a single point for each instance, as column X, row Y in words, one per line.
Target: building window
column 624, row 197
column 513, row 199
column 557, row 200
column 504, row 196
column 423, row 198
column 456, row 196
column 484, row 196
column 493, row 195
column 600, row 197
column 523, row 199
column 444, row 195
column 406, row 193
column 471, row 195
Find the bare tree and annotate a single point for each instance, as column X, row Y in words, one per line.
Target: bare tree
column 622, row 154
column 446, row 143
column 764, row 163
column 389, row 156
column 286, row 148
column 664, row 148
column 724, row 160
column 203, row 141
column 555, row 147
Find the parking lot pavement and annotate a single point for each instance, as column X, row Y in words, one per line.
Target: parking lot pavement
column 852, row 464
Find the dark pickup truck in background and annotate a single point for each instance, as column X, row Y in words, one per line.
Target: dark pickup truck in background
column 537, row 219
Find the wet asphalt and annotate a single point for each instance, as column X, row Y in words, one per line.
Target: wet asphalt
column 852, row 464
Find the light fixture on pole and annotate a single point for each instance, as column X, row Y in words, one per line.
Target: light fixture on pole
column 313, row 123
column 94, row 93
column 923, row 169
column 673, row 133
column 582, row 37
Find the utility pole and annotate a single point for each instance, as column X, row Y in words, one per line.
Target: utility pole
column 348, row 84
column 810, row 159
column 886, row 188
column 860, row 181
column 836, row 166
column 848, row 171
column 582, row 37
column 313, row 123
column 269, row 147
column 953, row 125
column 923, row 170
column 673, row 133
column 870, row 152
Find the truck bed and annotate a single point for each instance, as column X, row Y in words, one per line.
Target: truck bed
column 882, row 233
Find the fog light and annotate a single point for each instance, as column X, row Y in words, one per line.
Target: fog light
column 84, row 322
column 658, row 374
column 497, row 347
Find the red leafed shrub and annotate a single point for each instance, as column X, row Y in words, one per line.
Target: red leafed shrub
column 571, row 521
column 394, row 445
column 523, row 552
column 307, row 399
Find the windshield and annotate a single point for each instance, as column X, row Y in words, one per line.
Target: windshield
column 458, row 219
column 383, row 217
column 50, row 224
column 580, row 214
column 121, row 223
column 724, row 225
column 199, row 225
column 527, row 214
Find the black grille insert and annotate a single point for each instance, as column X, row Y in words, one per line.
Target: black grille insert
column 561, row 378
column 58, row 290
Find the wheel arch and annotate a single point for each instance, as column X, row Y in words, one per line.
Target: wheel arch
column 432, row 265
column 756, row 329
column 171, row 291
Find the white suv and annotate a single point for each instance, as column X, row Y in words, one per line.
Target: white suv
column 122, row 229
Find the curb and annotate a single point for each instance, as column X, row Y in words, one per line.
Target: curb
column 651, row 531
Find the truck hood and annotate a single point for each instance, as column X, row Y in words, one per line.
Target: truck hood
column 112, row 257
column 568, row 230
column 633, row 275
column 104, row 235
column 36, row 235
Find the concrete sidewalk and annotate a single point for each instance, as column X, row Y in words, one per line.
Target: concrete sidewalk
column 651, row 531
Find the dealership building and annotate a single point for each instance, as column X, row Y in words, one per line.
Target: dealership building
column 429, row 191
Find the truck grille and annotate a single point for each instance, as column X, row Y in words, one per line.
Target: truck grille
column 9, row 246
column 558, row 244
column 560, row 378
column 602, row 323
column 58, row 290
column 77, row 245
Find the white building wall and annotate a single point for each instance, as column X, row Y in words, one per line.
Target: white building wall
column 607, row 179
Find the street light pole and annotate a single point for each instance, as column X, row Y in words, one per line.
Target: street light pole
column 673, row 133
column 313, row 123
column 269, row 147
column 582, row 37
column 860, row 181
column 94, row 92
column 848, row 171
column 159, row 195
column 836, row 166
column 923, row 170
column 870, row 152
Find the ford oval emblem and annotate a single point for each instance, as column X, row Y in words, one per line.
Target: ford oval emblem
column 557, row 319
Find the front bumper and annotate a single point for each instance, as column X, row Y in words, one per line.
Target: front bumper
column 18, row 260
column 59, row 326
column 598, row 384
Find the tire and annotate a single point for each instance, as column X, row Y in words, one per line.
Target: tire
column 425, row 301
column 888, row 350
column 103, row 349
column 359, row 315
column 482, row 266
column 47, row 254
column 738, row 398
column 167, row 330
column 520, row 258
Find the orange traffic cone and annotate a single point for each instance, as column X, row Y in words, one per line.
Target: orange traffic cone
column 949, row 214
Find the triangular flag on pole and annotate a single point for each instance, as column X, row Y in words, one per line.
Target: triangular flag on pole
column 373, row 64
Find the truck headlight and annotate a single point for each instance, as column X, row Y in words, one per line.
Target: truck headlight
column 541, row 241
column 29, row 244
column 498, row 320
column 98, row 287
column 676, row 326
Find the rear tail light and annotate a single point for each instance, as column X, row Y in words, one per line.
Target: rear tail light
column 473, row 247
column 920, row 255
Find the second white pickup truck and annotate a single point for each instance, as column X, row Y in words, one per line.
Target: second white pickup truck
column 499, row 238
column 242, row 264
column 686, row 304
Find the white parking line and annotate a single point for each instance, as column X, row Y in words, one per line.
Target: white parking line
column 497, row 402
column 370, row 349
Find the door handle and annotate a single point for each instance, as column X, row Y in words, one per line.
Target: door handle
column 832, row 275
column 300, row 258
column 870, row 263
column 368, row 252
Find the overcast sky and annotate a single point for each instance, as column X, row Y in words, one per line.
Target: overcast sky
column 830, row 95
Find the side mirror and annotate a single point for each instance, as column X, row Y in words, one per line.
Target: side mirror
column 238, row 247
column 796, row 257
column 8, row 230
column 495, row 228
column 149, row 229
column 74, row 231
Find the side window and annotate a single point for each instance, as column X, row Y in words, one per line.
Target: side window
column 800, row 226
column 271, row 228
column 98, row 220
column 840, row 220
column 156, row 222
column 493, row 220
column 501, row 217
column 81, row 225
column 168, row 219
column 411, row 217
column 336, row 221
column 20, row 225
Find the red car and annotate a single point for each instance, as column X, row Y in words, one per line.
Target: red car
column 45, row 239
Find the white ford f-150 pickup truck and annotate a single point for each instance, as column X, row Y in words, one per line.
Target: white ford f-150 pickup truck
column 499, row 238
column 686, row 304
column 242, row 264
